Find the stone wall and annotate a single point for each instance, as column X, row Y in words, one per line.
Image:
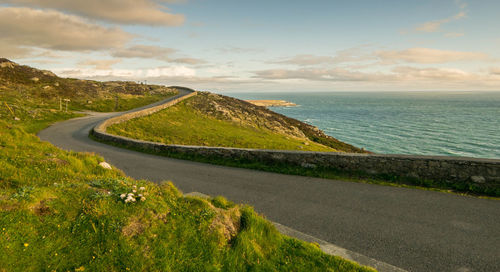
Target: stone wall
column 460, row 171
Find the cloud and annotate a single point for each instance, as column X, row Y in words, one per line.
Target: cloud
column 11, row 51
column 192, row 61
column 48, row 29
column 100, row 64
column 316, row 74
column 146, row 12
column 154, row 52
column 144, row 51
column 348, row 55
column 437, row 74
column 172, row 71
column 306, row 60
column 402, row 76
column 434, row 26
column 495, row 71
column 428, row 55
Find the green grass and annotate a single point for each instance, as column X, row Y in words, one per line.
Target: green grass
column 184, row 125
column 125, row 102
column 61, row 211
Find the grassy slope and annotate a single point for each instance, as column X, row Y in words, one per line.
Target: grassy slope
column 213, row 120
column 181, row 124
column 60, row 211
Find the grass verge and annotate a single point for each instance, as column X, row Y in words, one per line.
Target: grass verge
column 61, row 211
column 184, row 125
column 327, row 173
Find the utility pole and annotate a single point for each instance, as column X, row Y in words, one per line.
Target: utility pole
column 66, row 100
column 116, row 102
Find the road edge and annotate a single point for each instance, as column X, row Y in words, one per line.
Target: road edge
column 325, row 246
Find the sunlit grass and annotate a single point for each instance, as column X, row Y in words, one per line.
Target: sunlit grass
column 184, row 125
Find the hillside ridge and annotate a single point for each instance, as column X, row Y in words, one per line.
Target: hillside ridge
column 247, row 114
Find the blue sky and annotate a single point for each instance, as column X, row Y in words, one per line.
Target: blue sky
column 261, row 45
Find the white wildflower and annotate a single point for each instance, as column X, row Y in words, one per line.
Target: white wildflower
column 139, row 195
column 142, row 188
column 134, row 191
column 135, row 186
column 143, row 199
column 122, row 196
column 130, row 194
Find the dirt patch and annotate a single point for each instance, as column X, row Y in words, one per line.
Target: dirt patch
column 133, row 228
column 57, row 161
column 41, row 208
column 226, row 223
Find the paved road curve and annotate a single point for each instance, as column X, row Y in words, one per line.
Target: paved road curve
column 413, row 229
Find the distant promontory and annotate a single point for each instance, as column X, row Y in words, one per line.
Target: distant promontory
column 272, row 103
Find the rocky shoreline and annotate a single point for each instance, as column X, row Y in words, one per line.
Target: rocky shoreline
column 272, row 103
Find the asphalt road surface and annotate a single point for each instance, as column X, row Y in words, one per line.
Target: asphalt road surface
column 413, row 229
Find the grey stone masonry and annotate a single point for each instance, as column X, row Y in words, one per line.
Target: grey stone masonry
column 482, row 173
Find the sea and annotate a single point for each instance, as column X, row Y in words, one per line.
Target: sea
column 419, row 123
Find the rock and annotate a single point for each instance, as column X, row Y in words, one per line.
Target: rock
column 308, row 165
column 35, row 79
column 478, row 179
column 105, row 165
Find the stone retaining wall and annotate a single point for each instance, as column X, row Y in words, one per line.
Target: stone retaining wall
column 461, row 171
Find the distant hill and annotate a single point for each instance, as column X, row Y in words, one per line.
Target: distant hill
column 31, row 83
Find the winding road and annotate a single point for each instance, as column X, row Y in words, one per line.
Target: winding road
column 413, row 229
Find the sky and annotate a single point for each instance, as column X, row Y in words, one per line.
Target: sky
column 259, row 46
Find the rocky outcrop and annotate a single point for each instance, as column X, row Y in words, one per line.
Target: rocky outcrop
column 246, row 114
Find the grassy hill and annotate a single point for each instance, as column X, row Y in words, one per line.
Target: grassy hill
column 31, row 94
column 215, row 120
column 62, row 211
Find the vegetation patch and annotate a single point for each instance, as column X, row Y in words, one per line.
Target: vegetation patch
column 62, row 211
column 37, row 98
column 214, row 120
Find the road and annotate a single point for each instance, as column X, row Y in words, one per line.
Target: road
column 413, row 229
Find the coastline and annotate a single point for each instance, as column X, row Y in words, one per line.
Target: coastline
column 272, row 103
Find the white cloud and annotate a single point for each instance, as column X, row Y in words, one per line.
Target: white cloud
column 428, row 55
column 127, row 74
column 437, row 74
column 401, row 76
column 117, row 11
column 317, row 74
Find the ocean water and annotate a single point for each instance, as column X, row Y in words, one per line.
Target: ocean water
column 421, row 123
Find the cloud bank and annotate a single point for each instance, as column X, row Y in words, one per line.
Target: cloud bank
column 49, row 29
column 116, row 11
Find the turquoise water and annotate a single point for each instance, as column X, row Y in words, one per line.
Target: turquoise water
column 423, row 123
